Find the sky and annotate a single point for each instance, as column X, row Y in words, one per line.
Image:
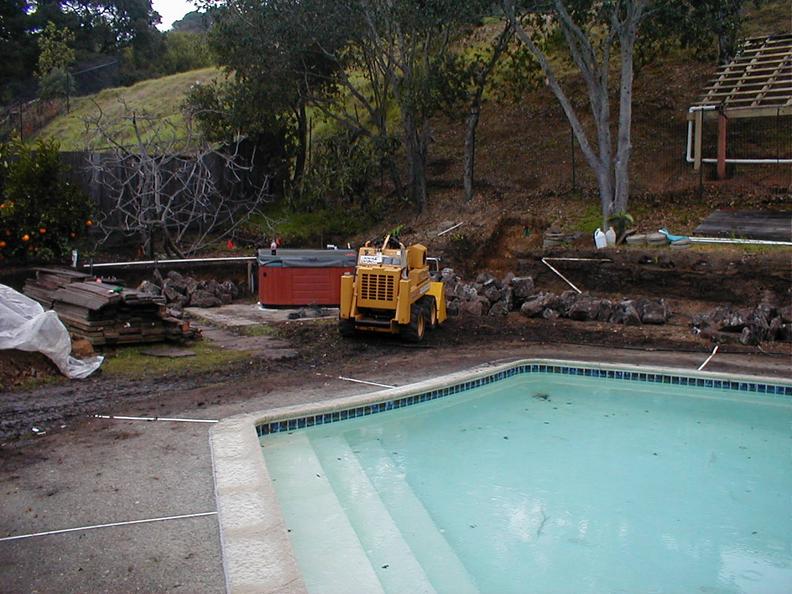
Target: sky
column 171, row 10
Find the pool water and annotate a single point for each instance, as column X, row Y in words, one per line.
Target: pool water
column 545, row 483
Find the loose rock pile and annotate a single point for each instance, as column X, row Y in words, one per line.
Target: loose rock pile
column 182, row 291
column 764, row 322
column 489, row 295
column 585, row 308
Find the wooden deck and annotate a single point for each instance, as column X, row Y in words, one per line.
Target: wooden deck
column 747, row 224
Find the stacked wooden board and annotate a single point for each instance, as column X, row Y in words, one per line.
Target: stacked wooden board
column 48, row 280
column 108, row 314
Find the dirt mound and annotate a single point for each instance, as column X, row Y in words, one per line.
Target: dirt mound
column 16, row 367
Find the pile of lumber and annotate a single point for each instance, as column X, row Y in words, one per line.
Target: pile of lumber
column 48, row 280
column 109, row 314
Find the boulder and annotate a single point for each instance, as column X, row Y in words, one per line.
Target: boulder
column 203, row 298
column 605, row 310
column 474, row 307
column 584, row 309
column 469, row 293
column 523, row 287
column 766, row 310
column 750, row 336
column 447, row 275
column 506, row 280
column 193, row 285
column 178, row 284
column 230, row 288
column 174, row 296
column 534, row 305
column 213, row 287
column 501, row 308
column 484, row 277
column 774, row 329
column 452, row 308
column 653, row 312
column 626, row 313
column 508, row 297
column 550, row 314
column 492, row 292
column 786, row 314
column 149, row 288
column 565, row 302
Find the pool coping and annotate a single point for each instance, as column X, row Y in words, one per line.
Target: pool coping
column 257, row 554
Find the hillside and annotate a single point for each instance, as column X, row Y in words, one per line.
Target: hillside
column 160, row 97
column 529, row 178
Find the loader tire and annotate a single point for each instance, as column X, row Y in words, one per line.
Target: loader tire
column 415, row 330
column 346, row 328
column 430, row 312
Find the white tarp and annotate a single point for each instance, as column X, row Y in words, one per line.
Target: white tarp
column 24, row 325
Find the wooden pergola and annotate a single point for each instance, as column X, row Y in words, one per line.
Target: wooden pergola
column 757, row 83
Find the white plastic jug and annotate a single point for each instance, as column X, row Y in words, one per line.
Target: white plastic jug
column 610, row 237
column 599, row 239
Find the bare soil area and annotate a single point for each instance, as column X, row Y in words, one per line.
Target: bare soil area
column 322, row 353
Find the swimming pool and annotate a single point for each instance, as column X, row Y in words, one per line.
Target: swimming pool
column 542, row 478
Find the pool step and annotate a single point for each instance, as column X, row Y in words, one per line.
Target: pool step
column 438, row 560
column 311, row 507
column 390, row 556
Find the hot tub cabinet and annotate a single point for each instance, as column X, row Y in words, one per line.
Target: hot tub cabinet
column 293, row 278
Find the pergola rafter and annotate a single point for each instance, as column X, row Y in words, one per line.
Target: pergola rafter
column 756, row 83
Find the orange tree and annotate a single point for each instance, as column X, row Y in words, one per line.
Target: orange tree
column 42, row 213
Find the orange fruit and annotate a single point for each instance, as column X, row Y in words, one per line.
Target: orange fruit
column 26, row 237
column 88, row 223
column 42, row 230
column 2, row 244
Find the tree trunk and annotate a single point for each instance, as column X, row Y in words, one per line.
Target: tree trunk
column 302, row 142
column 470, row 150
column 415, row 142
column 624, row 147
column 474, row 113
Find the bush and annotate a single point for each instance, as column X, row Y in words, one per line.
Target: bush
column 42, row 214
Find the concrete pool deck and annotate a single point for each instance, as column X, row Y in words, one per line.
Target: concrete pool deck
column 101, row 471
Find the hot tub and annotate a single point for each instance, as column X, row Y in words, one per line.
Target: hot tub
column 302, row 277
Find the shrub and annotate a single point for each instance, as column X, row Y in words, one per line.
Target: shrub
column 42, row 214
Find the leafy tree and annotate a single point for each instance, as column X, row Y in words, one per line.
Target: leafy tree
column 42, row 213
column 193, row 22
column 411, row 40
column 593, row 32
column 601, row 36
column 17, row 46
column 184, row 51
column 694, row 23
column 56, row 54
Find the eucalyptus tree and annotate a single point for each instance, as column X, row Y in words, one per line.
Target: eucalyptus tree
column 595, row 32
column 602, row 37
column 411, row 40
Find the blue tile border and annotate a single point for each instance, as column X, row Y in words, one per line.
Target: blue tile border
column 279, row 426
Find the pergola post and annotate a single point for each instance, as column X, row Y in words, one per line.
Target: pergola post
column 698, row 130
column 723, row 125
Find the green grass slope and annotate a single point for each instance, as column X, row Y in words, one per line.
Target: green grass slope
column 161, row 98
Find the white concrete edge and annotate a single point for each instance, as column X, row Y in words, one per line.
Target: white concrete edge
column 256, row 550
